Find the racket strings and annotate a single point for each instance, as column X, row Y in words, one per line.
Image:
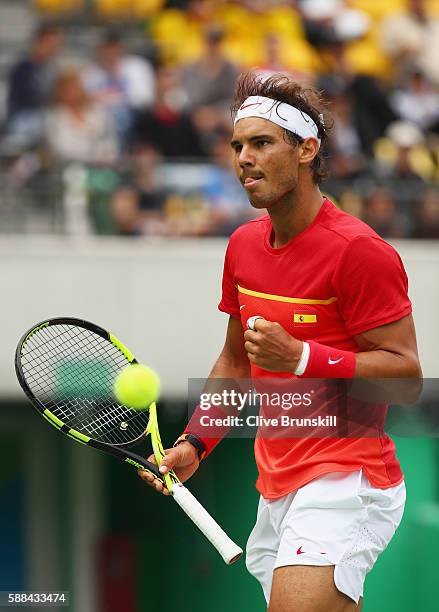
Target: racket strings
column 85, row 341
column 98, row 421
column 71, row 371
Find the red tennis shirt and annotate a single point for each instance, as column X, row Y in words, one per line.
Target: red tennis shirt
column 334, row 280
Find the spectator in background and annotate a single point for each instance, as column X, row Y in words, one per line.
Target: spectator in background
column 382, row 214
column 330, row 26
column 166, row 125
column 331, row 21
column 274, row 60
column 121, row 82
column 427, row 215
column 398, row 164
column 352, row 203
column 138, row 204
column 411, row 38
column 76, row 129
column 416, row 100
column 29, row 84
column 345, row 152
column 211, row 80
column 209, row 85
column 372, row 110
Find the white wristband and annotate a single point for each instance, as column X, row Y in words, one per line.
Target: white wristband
column 303, row 361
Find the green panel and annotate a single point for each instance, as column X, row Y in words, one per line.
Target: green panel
column 405, row 575
column 199, row 577
column 20, row 429
column 401, row 581
column 13, row 519
column 166, row 538
column 67, row 524
column 423, row 547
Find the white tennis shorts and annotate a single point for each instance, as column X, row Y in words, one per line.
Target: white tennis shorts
column 338, row 519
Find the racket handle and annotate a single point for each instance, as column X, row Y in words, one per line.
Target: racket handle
column 229, row 551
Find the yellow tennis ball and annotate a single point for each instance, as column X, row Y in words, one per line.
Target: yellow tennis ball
column 137, row 386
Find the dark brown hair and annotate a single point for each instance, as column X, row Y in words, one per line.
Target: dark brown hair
column 281, row 88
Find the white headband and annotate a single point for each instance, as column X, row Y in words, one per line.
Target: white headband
column 284, row 115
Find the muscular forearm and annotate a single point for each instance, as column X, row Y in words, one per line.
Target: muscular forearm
column 227, row 366
column 229, row 375
column 389, row 351
column 232, row 364
column 386, row 364
column 230, row 372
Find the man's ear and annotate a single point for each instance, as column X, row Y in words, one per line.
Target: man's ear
column 308, row 150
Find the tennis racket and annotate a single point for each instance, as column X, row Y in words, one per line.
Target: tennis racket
column 67, row 368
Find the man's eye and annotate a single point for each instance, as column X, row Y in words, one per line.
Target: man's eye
column 262, row 143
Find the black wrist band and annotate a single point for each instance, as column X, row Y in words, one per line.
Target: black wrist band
column 196, row 443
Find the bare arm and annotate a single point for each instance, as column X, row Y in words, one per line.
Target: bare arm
column 232, row 363
column 389, row 351
column 233, row 360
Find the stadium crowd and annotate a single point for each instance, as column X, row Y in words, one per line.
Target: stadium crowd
column 149, row 123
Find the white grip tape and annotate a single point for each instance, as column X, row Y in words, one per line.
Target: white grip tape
column 229, row 551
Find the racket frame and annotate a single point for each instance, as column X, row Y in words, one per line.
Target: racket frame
column 122, row 452
column 229, row 551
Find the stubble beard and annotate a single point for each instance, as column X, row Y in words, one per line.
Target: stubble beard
column 271, row 199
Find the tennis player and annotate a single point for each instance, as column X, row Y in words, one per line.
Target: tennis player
column 332, row 297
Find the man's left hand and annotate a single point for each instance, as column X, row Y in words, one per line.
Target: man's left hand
column 272, row 348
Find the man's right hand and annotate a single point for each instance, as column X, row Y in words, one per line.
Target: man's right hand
column 183, row 459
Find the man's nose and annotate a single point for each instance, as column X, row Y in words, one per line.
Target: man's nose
column 246, row 158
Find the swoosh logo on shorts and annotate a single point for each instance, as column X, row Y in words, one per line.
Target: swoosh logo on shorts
column 299, row 551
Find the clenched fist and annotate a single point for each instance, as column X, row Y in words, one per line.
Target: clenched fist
column 272, row 348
